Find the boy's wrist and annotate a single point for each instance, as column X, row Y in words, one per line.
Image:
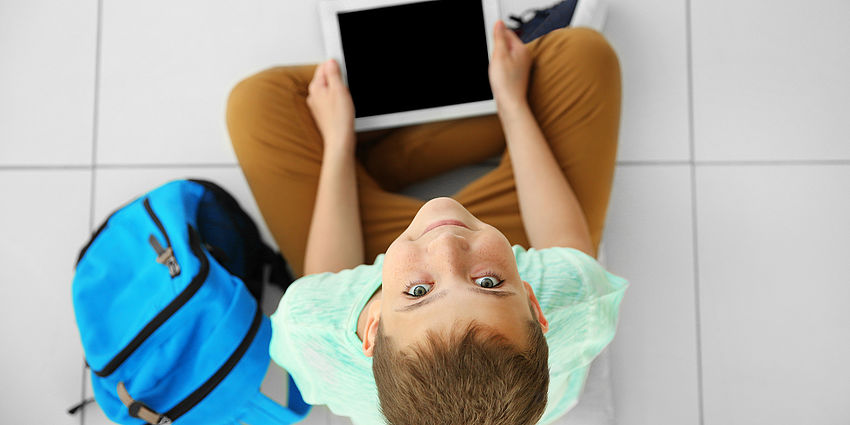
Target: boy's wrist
column 341, row 147
column 511, row 107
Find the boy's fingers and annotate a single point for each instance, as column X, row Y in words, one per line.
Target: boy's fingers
column 509, row 38
column 512, row 39
column 332, row 71
column 498, row 36
column 321, row 76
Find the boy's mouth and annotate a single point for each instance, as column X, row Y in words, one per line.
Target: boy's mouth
column 443, row 223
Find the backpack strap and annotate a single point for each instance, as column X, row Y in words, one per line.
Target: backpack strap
column 140, row 410
column 279, row 273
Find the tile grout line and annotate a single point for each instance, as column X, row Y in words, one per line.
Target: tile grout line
column 694, row 226
column 789, row 162
column 95, row 112
column 709, row 163
column 199, row 165
column 44, row 167
column 93, row 165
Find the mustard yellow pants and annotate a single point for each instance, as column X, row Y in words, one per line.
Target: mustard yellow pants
column 574, row 92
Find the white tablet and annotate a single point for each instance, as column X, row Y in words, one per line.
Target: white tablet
column 408, row 62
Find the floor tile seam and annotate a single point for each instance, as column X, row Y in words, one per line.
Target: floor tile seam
column 29, row 167
column 93, row 165
column 801, row 162
column 696, row 274
column 734, row 163
column 88, row 167
column 116, row 166
column 627, row 163
column 694, row 212
column 95, row 112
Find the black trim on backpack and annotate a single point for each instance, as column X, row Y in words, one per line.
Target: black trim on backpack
column 149, row 209
column 279, row 273
column 106, row 221
column 93, row 237
column 168, row 311
column 206, row 388
column 97, row 232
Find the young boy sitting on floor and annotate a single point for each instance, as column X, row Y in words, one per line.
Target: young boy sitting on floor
column 483, row 308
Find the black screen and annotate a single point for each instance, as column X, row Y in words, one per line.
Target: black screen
column 415, row 56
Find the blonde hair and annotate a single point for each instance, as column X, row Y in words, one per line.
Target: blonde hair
column 474, row 376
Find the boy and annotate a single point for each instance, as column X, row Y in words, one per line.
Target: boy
column 454, row 322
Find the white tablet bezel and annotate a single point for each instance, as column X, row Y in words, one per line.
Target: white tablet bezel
column 328, row 10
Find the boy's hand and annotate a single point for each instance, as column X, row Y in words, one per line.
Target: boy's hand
column 509, row 67
column 330, row 103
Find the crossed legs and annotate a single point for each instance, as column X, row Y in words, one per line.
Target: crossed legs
column 574, row 92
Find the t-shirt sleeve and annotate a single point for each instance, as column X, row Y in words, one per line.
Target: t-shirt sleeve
column 294, row 345
column 579, row 298
column 311, row 339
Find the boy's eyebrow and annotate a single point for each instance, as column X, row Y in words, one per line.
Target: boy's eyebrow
column 443, row 293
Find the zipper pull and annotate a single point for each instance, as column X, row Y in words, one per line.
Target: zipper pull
column 165, row 256
column 140, row 410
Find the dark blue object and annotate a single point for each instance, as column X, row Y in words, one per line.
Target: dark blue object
column 170, row 330
column 544, row 20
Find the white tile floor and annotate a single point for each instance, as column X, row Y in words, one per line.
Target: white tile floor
column 729, row 211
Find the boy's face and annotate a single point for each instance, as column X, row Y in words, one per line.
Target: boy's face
column 456, row 270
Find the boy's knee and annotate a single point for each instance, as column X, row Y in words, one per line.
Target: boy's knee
column 244, row 96
column 588, row 48
column 253, row 97
column 258, row 89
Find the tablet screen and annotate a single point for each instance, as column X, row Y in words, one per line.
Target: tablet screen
column 415, row 56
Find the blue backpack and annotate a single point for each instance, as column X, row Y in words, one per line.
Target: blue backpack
column 166, row 300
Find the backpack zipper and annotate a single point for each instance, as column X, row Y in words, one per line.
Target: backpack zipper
column 138, row 409
column 164, row 256
column 199, row 394
column 169, row 310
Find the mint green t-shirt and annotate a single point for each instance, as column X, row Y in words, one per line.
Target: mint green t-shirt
column 314, row 330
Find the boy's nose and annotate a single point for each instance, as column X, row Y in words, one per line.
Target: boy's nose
column 448, row 246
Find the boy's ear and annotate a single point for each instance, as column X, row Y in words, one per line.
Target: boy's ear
column 537, row 310
column 371, row 330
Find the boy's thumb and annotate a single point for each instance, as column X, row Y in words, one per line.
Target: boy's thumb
column 499, row 34
column 332, row 68
column 510, row 36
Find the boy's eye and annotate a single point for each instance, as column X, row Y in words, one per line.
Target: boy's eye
column 417, row 289
column 488, row 281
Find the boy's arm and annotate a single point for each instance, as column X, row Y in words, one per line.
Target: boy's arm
column 550, row 211
column 335, row 239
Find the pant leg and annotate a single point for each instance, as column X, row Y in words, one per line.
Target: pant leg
column 416, row 152
column 279, row 148
column 574, row 93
